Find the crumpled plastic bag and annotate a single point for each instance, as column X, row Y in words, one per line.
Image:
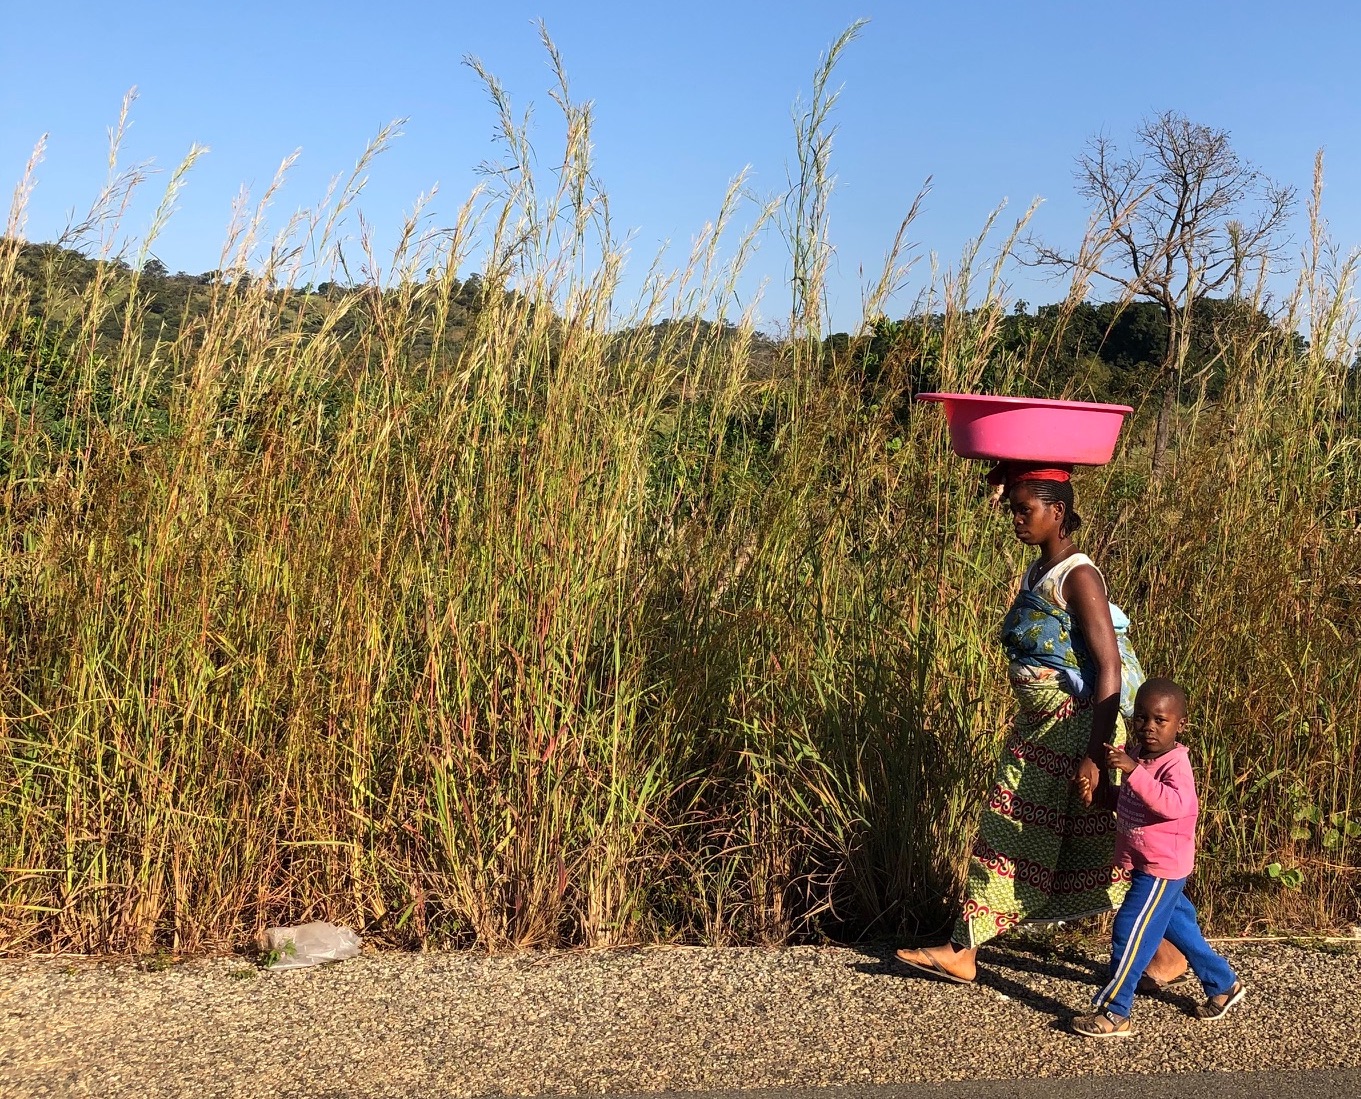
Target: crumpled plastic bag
column 307, row 944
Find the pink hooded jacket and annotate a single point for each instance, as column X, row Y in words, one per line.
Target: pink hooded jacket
column 1155, row 818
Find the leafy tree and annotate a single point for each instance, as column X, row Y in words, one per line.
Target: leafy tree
column 470, row 293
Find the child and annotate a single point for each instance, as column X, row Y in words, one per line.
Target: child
column 1156, row 842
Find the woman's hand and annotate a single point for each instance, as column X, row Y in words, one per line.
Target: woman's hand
column 1102, row 794
column 1119, row 759
column 1087, row 779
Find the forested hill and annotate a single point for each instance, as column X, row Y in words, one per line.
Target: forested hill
column 58, row 279
column 1100, row 351
column 1103, row 351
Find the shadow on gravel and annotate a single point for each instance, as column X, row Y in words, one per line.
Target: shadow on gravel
column 992, row 967
column 1060, row 1013
column 1002, row 969
column 878, row 962
column 1073, row 965
column 1061, row 964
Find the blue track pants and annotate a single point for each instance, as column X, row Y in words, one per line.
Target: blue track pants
column 1155, row 909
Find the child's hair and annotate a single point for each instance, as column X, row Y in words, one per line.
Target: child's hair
column 1162, row 687
column 1053, row 492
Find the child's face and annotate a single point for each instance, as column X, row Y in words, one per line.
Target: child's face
column 1158, row 720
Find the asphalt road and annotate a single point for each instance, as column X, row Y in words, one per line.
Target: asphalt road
column 1324, row 1084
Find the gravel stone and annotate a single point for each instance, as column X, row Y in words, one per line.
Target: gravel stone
column 636, row 1020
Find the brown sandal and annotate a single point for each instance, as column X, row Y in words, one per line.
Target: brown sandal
column 1103, row 1024
column 1210, row 1011
column 929, row 966
column 1149, row 984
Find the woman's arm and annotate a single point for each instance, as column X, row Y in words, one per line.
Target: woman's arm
column 1085, row 593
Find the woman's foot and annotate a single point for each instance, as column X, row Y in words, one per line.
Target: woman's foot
column 1216, row 1007
column 948, row 962
column 1103, row 1024
column 1166, row 967
column 1148, row 986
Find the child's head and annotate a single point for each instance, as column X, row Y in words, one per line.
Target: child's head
column 1159, row 716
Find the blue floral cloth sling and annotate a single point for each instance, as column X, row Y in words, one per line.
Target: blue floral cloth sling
column 1039, row 633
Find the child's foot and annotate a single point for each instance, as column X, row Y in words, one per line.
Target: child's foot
column 1103, row 1024
column 1216, row 1007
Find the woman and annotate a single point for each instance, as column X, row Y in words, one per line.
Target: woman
column 1045, row 852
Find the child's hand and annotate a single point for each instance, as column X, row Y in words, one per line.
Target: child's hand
column 1086, row 780
column 1101, row 794
column 1119, row 759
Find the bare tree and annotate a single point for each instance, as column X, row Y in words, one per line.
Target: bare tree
column 1176, row 218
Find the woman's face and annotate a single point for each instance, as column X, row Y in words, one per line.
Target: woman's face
column 1032, row 520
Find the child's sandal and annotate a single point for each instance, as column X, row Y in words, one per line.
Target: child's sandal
column 1103, row 1024
column 1209, row 1010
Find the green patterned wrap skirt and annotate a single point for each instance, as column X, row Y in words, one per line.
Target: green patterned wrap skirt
column 1041, row 855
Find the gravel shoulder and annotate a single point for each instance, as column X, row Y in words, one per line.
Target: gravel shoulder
column 629, row 1021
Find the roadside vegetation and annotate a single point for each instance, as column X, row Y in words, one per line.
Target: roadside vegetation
column 497, row 611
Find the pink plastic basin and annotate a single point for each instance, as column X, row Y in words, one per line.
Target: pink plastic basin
column 1026, row 429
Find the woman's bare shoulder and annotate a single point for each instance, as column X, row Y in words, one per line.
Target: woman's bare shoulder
column 1084, row 579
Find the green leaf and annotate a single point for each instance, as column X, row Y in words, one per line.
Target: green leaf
column 1292, row 878
column 1331, row 838
column 1299, row 832
column 1273, row 870
column 1257, row 786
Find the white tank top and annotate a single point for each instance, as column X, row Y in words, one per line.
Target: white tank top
column 1049, row 584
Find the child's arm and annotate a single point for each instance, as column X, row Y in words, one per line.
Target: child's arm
column 1169, row 796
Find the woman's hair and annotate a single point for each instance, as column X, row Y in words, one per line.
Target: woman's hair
column 1053, row 492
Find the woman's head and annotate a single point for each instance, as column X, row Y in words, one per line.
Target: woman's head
column 1040, row 505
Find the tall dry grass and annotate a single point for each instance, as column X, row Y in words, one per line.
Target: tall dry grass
column 552, row 629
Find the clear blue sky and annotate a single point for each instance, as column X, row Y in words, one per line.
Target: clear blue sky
column 993, row 100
